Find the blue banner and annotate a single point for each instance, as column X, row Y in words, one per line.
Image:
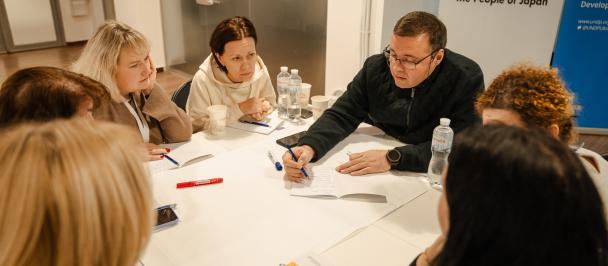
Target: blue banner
column 581, row 54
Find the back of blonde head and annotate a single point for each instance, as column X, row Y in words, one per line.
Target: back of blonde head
column 99, row 59
column 72, row 193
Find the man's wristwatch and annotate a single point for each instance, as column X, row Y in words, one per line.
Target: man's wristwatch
column 394, row 157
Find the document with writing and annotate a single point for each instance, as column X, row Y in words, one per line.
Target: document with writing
column 264, row 126
column 326, row 182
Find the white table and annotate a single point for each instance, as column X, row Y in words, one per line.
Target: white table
column 251, row 219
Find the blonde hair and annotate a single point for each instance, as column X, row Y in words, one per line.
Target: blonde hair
column 99, row 59
column 72, row 193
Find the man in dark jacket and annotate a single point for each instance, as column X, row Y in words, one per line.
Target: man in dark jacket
column 404, row 92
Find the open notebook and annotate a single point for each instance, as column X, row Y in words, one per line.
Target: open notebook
column 326, row 182
column 185, row 153
column 265, row 126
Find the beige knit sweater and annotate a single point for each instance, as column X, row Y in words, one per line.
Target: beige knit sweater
column 211, row 86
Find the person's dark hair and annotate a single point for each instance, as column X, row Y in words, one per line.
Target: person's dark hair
column 419, row 22
column 520, row 197
column 232, row 29
column 45, row 93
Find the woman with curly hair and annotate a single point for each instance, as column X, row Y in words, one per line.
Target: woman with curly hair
column 527, row 96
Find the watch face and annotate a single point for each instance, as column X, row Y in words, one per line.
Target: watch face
column 394, row 156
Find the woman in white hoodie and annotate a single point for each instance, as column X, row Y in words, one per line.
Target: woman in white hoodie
column 232, row 75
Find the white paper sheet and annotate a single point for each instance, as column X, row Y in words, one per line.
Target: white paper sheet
column 272, row 121
column 324, row 181
column 183, row 153
column 252, row 215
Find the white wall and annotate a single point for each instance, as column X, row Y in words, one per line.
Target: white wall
column 375, row 38
column 342, row 57
column 81, row 27
column 487, row 34
column 395, row 9
column 144, row 16
column 173, row 28
column 501, row 35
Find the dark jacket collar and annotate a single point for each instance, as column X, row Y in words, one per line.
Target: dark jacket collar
column 423, row 87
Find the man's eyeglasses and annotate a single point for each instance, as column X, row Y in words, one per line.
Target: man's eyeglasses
column 392, row 59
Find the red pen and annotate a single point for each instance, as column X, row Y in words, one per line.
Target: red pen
column 200, row 182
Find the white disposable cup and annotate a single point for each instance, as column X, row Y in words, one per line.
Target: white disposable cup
column 217, row 119
column 304, row 95
column 319, row 104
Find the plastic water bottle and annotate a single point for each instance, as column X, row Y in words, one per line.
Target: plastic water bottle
column 441, row 146
column 283, row 90
column 295, row 84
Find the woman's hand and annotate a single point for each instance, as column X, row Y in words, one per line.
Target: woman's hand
column 156, row 152
column 266, row 109
column 252, row 105
column 151, row 77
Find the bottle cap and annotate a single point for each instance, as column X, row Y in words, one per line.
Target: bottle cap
column 294, row 71
column 284, row 69
column 444, row 121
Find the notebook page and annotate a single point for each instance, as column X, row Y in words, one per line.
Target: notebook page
column 273, row 123
column 320, row 183
column 354, row 185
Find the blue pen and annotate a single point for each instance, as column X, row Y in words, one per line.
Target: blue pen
column 293, row 156
column 277, row 165
column 171, row 159
column 255, row 123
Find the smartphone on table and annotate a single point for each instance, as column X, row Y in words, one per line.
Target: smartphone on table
column 165, row 217
column 291, row 140
column 305, row 113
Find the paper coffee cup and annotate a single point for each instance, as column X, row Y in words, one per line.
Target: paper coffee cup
column 217, row 119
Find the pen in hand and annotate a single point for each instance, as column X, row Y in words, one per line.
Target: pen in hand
column 170, row 159
column 293, row 156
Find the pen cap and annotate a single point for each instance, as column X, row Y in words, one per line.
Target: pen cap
column 185, row 184
column 216, row 180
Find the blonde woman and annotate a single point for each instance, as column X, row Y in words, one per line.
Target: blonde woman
column 119, row 57
column 72, row 193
